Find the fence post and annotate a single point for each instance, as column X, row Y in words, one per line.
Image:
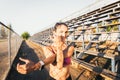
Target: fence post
column 9, row 46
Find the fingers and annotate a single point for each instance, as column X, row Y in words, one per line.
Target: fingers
column 24, row 60
column 18, row 66
column 22, row 71
column 22, row 68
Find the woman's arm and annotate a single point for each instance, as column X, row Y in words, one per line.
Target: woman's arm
column 59, row 57
column 50, row 56
column 70, row 51
column 30, row 66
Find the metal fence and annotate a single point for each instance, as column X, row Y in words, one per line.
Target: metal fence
column 10, row 43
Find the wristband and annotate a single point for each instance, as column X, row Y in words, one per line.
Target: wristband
column 42, row 64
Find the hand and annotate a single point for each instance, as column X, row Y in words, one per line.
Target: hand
column 28, row 67
column 58, row 40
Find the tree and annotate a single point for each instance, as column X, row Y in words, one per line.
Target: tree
column 25, row 35
column 3, row 32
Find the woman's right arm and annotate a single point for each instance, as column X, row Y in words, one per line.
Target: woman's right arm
column 50, row 56
column 30, row 66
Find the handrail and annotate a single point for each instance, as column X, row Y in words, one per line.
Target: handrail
column 9, row 46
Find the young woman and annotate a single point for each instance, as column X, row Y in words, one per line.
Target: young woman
column 58, row 55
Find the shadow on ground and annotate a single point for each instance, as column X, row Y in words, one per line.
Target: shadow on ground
column 26, row 52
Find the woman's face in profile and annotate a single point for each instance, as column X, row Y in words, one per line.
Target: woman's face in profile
column 62, row 30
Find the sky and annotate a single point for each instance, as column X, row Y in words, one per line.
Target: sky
column 36, row 15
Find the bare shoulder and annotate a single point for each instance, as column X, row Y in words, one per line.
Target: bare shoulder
column 48, row 51
column 71, row 48
column 70, row 51
column 47, row 48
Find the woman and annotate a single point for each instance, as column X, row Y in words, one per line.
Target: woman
column 58, row 55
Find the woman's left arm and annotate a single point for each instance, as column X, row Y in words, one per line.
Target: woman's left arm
column 70, row 51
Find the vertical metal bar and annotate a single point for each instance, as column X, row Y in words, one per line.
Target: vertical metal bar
column 116, row 66
column 97, row 29
column 119, row 36
column 113, row 64
column 83, row 43
column 9, row 47
column 75, row 55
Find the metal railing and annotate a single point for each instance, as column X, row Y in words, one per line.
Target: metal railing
column 96, row 5
column 10, row 43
